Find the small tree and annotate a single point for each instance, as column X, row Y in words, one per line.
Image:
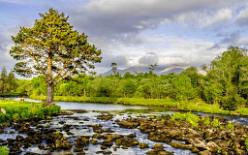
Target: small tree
column 54, row 49
column 12, row 84
column 127, row 87
column 152, row 68
column 3, row 80
column 114, row 68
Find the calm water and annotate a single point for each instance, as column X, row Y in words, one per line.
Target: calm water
column 95, row 107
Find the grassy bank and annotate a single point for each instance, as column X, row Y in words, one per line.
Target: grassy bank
column 14, row 111
column 169, row 104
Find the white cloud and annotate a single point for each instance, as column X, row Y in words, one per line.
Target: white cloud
column 187, row 50
column 242, row 17
column 166, row 50
column 205, row 19
column 5, row 59
column 149, row 59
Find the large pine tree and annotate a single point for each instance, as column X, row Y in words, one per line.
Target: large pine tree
column 51, row 47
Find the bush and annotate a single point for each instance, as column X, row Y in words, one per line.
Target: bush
column 4, row 150
column 232, row 102
column 228, row 103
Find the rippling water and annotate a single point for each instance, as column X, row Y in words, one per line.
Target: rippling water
column 80, row 126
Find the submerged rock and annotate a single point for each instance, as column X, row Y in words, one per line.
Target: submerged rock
column 97, row 128
column 105, row 116
column 126, row 141
column 83, row 141
column 128, row 124
column 24, row 127
column 143, row 145
column 59, row 142
column 158, row 149
column 104, row 152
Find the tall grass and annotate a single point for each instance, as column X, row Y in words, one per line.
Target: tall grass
column 13, row 110
column 194, row 105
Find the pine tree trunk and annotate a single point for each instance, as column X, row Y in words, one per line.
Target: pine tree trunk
column 50, row 83
column 50, row 89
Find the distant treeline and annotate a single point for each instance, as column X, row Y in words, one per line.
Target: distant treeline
column 225, row 83
column 8, row 83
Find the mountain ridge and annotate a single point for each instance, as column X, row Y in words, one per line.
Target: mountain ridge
column 160, row 70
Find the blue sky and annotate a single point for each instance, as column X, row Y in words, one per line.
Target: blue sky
column 135, row 32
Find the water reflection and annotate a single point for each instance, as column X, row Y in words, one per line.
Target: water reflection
column 95, row 107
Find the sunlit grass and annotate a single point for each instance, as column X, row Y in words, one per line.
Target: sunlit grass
column 188, row 117
column 195, row 120
column 14, row 110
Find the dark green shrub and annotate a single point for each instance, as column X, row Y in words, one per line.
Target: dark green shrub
column 232, row 102
column 228, row 103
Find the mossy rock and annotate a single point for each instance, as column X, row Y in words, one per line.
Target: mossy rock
column 158, row 147
column 143, row 145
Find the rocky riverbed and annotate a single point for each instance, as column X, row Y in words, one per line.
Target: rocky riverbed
column 121, row 133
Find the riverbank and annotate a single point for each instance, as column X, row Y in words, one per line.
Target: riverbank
column 196, row 105
column 17, row 111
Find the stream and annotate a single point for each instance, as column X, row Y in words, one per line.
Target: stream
column 82, row 121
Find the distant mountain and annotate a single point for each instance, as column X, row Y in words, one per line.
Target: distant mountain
column 162, row 69
column 172, row 69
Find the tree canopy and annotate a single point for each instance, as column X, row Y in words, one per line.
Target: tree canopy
column 51, row 47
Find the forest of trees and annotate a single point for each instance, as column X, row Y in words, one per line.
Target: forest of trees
column 225, row 83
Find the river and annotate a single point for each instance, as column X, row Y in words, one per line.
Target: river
column 85, row 117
